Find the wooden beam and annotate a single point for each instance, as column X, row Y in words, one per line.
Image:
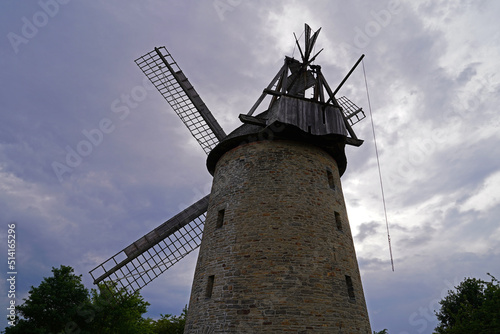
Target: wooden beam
column 158, row 234
column 263, row 95
column 252, row 120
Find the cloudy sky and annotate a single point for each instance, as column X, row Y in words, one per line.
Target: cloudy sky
column 432, row 71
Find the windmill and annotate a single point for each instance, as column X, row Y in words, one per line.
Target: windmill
column 269, row 245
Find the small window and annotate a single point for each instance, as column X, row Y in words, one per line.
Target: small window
column 350, row 287
column 331, row 182
column 220, row 218
column 338, row 221
column 210, row 286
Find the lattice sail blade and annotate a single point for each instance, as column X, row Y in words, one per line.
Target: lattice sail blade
column 164, row 73
column 352, row 112
column 142, row 261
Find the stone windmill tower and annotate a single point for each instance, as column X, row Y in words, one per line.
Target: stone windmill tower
column 277, row 253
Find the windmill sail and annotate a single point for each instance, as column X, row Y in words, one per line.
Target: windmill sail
column 164, row 73
column 353, row 113
column 145, row 259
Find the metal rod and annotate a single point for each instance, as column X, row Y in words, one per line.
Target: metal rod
column 346, row 77
column 349, row 74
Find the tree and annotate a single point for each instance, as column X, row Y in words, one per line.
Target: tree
column 113, row 311
column 170, row 324
column 51, row 305
column 62, row 304
column 383, row 331
column 473, row 308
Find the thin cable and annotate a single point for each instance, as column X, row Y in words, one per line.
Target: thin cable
column 379, row 171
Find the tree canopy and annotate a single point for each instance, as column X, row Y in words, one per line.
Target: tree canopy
column 62, row 304
column 170, row 324
column 51, row 305
column 473, row 308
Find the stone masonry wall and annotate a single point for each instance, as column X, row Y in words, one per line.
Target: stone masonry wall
column 277, row 253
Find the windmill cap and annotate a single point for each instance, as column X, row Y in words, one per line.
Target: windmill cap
column 332, row 143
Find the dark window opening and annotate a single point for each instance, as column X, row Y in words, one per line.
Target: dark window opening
column 210, row 286
column 220, row 218
column 331, row 182
column 350, row 287
column 338, row 221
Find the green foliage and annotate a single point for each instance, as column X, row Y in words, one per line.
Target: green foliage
column 62, row 304
column 111, row 311
column 170, row 324
column 383, row 331
column 473, row 308
column 51, row 305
